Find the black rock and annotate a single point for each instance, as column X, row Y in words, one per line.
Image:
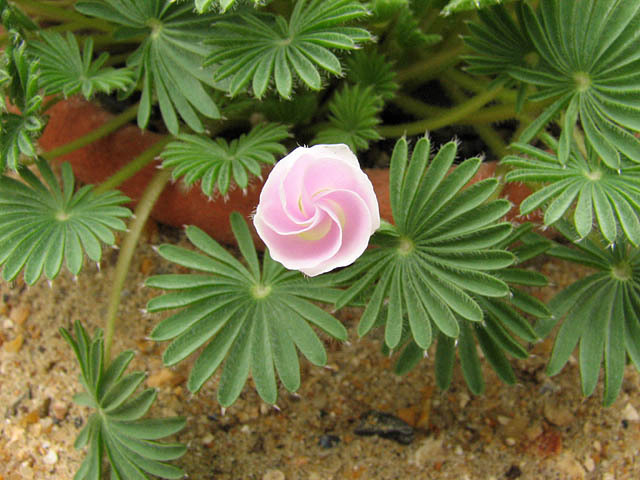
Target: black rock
column 385, row 425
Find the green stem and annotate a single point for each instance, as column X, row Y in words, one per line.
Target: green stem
column 141, row 214
column 433, row 65
column 111, row 126
column 134, row 166
column 451, row 116
column 495, row 113
column 488, row 135
column 62, row 14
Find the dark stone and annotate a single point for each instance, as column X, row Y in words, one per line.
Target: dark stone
column 78, row 421
column 513, row 472
column 385, row 425
column 328, row 441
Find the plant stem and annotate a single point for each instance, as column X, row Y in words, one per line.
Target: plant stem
column 430, row 67
column 134, row 166
column 488, row 135
column 111, row 126
column 62, row 14
column 449, row 117
column 142, row 212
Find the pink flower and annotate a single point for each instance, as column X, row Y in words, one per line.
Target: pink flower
column 317, row 209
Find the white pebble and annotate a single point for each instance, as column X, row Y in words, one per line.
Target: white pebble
column 630, row 414
column 589, row 464
column 50, row 458
column 273, row 475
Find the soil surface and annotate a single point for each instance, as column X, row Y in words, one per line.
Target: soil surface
column 541, row 428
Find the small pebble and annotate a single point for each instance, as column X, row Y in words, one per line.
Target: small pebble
column 510, row 441
column 50, row 458
column 328, row 441
column 59, row 410
column 164, row 378
column 630, row 414
column 608, row 476
column 557, row 414
column 430, row 451
column 503, row 420
column 14, row 345
column 589, row 464
column 20, row 314
column 273, row 475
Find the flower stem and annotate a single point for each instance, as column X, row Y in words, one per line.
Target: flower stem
column 134, row 166
column 430, row 67
column 142, row 212
column 111, row 126
column 449, row 117
column 62, row 14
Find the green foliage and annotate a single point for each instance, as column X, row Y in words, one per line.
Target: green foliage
column 222, row 5
column 353, row 118
column 18, row 82
column 256, row 47
column 600, row 312
column 585, row 185
column 64, row 69
column 589, row 64
column 14, row 19
column 502, row 325
column 369, row 68
column 255, row 318
column 400, row 24
column 437, row 263
column 116, row 429
column 217, row 163
column 43, row 222
column 499, row 42
column 460, row 5
column 168, row 63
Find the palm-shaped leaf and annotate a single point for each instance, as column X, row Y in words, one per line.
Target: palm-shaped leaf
column 588, row 185
column 589, row 64
column 255, row 318
column 354, row 116
column 502, row 325
column 601, row 312
column 117, row 428
column 169, row 61
column 216, row 163
column 499, row 42
column 65, row 69
column 254, row 48
column 19, row 82
column 440, row 253
column 42, row 223
column 369, row 68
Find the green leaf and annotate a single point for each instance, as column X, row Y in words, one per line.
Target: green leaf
column 195, row 158
column 301, row 44
column 253, row 318
column 64, row 69
column 169, row 59
column 586, row 53
column 460, row 5
column 600, row 314
column 45, row 221
column 353, row 118
column 19, row 77
column 455, row 273
column 586, row 185
column 116, row 428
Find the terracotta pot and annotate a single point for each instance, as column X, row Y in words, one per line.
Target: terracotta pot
column 177, row 205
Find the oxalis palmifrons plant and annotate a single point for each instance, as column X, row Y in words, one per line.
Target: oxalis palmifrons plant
column 237, row 84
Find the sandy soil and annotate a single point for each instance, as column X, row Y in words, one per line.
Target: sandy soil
column 541, row 428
